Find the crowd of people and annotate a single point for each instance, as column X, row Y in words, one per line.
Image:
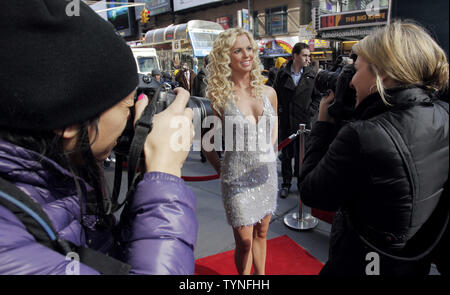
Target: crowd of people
column 384, row 172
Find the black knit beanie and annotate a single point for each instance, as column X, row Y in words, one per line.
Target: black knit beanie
column 57, row 70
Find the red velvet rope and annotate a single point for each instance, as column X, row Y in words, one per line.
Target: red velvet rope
column 216, row 176
column 200, row 178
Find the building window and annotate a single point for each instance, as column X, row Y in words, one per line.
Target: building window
column 276, row 20
column 255, row 24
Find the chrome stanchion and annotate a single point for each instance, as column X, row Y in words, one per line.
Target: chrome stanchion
column 301, row 220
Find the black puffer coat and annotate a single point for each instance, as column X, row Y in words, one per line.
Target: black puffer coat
column 360, row 172
column 200, row 83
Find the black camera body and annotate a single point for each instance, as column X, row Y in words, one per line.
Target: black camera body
column 344, row 96
column 161, row 96
column 130, row 144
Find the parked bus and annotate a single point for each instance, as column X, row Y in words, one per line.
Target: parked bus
column 189, row 42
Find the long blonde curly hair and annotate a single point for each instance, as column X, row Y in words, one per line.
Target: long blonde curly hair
column 220, row 87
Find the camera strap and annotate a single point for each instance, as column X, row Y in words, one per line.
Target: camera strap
column 142, row 128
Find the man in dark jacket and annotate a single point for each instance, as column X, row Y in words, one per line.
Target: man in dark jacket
column 279, row 63
column 167, row 78
column 156, row 74
column 185, row 77
column 297, row 103
column 200, row 82
column 199, row 89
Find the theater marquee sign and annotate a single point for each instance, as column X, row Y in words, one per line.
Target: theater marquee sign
column 352, row 19
column 351, row 33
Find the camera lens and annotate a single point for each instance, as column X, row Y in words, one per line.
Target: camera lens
column 146, row 79
column 200, row 106
column 326, row 80
column 162, row 97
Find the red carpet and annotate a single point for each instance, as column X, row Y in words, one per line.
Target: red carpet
column 284, row 257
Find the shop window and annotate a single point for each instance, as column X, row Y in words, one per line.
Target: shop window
column 276, row 20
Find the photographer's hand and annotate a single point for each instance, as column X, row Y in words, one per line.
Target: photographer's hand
column 324, row 116
column 163, row 150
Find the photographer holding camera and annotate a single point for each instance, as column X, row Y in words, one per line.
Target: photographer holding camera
column 68, row 84
column 384, row 172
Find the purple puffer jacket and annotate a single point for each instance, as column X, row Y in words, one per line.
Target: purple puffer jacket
column 158, row 238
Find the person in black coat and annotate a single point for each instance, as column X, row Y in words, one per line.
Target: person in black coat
column 199, row 89
column 156, row 74
column 273, row 71
column 384, row 172
column 200, row 81
column 298, row 102
column 167, row 78
column 185, row 77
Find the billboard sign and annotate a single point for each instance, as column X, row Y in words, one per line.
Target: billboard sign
column 245, row 20
column 353, row 19
column 154, row 6
column 122, row 16
column 185, row 4
column 100, row 6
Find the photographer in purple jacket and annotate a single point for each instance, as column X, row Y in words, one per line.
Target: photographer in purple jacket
column 67, row 86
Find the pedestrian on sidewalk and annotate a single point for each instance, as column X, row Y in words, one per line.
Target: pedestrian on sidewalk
column 167, row 78
column 298, row 104
column 68, row 84
column 199, row 89
column 248, row 177
column 273, row 71
column 201, row 80
column 185, row 77
column 156, row 74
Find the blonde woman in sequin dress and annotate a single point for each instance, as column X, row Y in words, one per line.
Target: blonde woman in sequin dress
column 248, row 175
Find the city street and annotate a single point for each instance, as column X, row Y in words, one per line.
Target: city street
column 355, row 92
column 216, row 236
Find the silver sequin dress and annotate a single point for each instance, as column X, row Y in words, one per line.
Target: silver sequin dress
column 249, row 175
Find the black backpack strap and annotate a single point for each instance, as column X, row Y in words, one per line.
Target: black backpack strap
column 102, row 263
column 38, row 224
column 30, row 213
column 414, row 240
column 439, row 216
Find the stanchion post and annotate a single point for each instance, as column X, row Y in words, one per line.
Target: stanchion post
column 298, row 220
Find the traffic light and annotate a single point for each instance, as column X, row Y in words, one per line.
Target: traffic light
column 145, row 16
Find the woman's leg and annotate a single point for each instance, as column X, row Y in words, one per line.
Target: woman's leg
column 260, row 245
column 243, row 253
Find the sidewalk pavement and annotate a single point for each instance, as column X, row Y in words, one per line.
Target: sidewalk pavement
column 216, row 236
